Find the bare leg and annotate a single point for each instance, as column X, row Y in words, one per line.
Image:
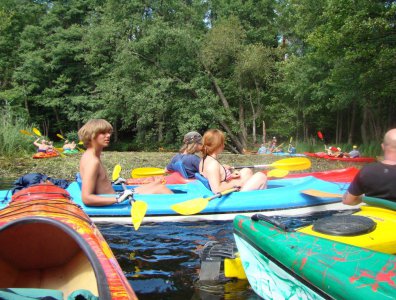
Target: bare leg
column 257, row 182
column 155, row 187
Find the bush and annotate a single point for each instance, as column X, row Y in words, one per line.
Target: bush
column 12, row 141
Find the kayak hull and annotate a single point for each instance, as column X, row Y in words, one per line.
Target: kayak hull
column 338, row 175
column 281, row 195
column 50, row 243
column 310, row 267
column 346, row 159
column 41, row 155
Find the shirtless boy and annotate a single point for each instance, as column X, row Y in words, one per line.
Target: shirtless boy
column 95, row 135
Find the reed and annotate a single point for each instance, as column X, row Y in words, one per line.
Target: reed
column 12, row 142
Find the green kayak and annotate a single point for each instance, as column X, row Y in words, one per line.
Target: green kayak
column 285, row 264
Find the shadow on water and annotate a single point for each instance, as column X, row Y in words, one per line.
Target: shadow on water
column 161, row 260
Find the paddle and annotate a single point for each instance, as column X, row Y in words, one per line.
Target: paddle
column 139, row 208
column 290, row 164
column 277, row 173
column 320, row 136
column 145, row 172
column 116, row 172
column 25, row 132
column 321, row 194
column 62, row 138
column 194, row 206
column 36, row 131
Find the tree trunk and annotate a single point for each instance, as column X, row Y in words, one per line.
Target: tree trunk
column 115, row 132
column 352, row 123
column 242, row 132
column 363, row 129
column 264, row 133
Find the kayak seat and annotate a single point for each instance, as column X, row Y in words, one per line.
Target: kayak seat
column 179, row 167
column 203, row 180
column 30, row 293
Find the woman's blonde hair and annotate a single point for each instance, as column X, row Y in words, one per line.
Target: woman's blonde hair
column 213, row 140
column 92, row 128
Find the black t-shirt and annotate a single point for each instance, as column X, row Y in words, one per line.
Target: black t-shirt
column 375, row 180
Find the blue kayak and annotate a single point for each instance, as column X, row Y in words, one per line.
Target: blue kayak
column 281, row 194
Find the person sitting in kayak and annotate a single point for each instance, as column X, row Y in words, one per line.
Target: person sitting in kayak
column 66, row 145
column 192, row 143
column 41, row 147
column 50, row 147
column 354, row 153
column 95, row 135
column 220, row 176
column 376, row 179
column 73, row 145
column 291, row 149
column 262, row 149
column 334, row 151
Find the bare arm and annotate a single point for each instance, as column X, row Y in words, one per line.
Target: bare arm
column 89, row 175
column 36, row 143
column 350, row 199
column 213, row 175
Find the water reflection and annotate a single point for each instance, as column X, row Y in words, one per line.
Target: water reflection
column 161, row 260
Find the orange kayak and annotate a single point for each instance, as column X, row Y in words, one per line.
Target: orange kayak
column 50, row 246
column 39, row 155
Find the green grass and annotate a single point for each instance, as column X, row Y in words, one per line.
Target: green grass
column 66, row 167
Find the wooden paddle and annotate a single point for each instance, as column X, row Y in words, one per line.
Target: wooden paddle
column 290, row 164
column 62, row 138
column 139, row 208
column 194, row 206
column 146, row 172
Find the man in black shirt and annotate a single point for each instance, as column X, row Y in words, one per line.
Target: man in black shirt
column 376, row 179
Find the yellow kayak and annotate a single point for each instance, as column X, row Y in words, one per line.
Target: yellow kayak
column 372, row 227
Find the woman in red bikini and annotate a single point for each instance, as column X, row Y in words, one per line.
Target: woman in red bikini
column 220, row 176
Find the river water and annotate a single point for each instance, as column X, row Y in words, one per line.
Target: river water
column 161, row 260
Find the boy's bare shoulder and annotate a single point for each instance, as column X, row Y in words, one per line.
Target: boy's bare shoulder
column 89, row 158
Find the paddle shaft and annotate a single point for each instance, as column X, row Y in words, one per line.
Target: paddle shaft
column 226, row 192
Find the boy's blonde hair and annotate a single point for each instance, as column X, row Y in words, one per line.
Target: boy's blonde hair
column 92, row 128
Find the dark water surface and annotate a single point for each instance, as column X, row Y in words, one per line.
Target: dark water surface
column 161, row 260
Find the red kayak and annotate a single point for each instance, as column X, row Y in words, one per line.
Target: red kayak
column 51, row 249
column 348, row 159
column 338, row 175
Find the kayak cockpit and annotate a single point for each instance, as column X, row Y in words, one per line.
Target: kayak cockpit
column 47, row 254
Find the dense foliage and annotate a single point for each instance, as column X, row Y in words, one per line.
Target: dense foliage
column 157, row 69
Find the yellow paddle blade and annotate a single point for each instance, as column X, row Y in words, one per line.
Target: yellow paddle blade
column 190, row 207
column 292, row 164
column 321, row 194
column 116, row 172
column 80, row 143
column 138, row 212
column 291, row 139
column 36, row 131
column 145, row 172
column 60, row 136
column 59, row 149
column 25, row 132
column 277, row 173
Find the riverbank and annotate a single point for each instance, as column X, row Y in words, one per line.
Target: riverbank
column 67, row 167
